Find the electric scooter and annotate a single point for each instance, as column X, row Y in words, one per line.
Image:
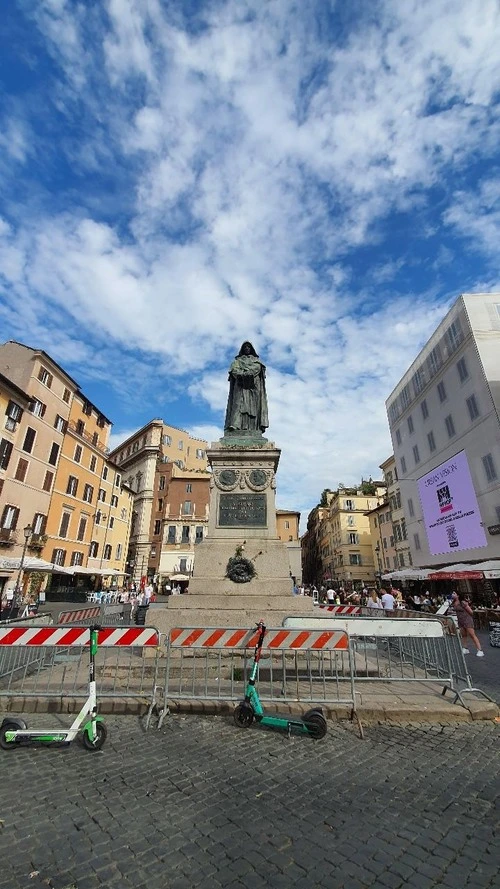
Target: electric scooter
column 14, row 731
column 313, row 723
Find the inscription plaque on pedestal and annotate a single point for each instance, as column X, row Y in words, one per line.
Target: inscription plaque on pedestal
column 243, row 510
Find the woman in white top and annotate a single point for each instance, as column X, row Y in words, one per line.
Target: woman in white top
column 373, row 600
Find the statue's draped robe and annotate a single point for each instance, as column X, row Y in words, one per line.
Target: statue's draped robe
column 247, row 402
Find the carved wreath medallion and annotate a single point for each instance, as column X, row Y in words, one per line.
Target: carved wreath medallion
column 258, row 479
column 226, row 479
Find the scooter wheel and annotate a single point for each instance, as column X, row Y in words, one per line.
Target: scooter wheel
column 243, row 715
column 315, row 724
column 8, row 727
column 101, row 735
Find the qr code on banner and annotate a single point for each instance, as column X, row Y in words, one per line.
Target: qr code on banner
column 452, row 535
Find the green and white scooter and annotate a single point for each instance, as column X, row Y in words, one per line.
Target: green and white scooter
column 15, row 733
column 313, row 723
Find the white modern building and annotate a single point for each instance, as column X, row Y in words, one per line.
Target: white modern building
column 445, row 428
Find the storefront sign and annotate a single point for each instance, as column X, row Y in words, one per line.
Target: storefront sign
column 450, row 508
column 456, row 575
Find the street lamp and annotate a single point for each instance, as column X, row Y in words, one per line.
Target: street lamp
column 27, row 531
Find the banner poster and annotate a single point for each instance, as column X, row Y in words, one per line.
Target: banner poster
column 450, row 508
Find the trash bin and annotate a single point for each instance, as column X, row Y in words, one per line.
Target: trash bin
column 127, row 613
column 140, row 615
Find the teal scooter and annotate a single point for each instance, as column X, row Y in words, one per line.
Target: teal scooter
column 313, row 723
column 15, row 733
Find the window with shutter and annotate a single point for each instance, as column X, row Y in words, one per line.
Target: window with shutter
column 37, row 408
column 22, row 468
column 58, row 556
column 5, row 452
column 14, row 411
column 10, row 516
column 81, row 529
column 45, row 377
column 38, row 523
column 29, row 440
column 63, row 529
column 72, row 486
column 47, row 482
column 54, row 453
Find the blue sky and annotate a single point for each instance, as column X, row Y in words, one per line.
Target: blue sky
column 321, row 178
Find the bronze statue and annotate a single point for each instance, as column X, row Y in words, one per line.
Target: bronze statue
column 247, row 402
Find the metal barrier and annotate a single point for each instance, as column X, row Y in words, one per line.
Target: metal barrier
column 392, row 650
column 106, row 615
column 213, row 664
column 55, row 663
column 12, row 659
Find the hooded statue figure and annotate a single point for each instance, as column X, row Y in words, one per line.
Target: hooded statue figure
column 247, row 402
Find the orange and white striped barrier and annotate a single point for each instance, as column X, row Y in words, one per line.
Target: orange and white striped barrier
column 275, row 639
column 71, row 617
column 342, row 609
column 67, row 636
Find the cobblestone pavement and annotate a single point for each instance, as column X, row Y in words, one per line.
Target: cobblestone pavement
column 205, row 804
column 485, row 672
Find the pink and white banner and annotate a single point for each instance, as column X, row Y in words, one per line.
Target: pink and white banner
column 450, row 508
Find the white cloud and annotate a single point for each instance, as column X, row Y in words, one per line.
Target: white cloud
column 259, row 154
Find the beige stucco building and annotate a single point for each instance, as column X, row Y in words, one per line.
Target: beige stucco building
column 140, row 459
column 58, row 475
column 397, row 548
column 287, row 526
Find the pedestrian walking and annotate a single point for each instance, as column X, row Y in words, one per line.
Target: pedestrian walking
column 465, row 618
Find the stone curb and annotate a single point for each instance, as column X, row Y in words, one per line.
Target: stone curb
column 398, row 714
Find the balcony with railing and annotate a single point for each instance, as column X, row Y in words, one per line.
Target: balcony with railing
column 87, row 437
column 7, row 537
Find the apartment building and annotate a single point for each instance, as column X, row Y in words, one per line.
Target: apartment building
column 445, row 428
column 37, row 424
column 313, row 550
column 55, row 465
column 397, row 547
column 179, row 520
column 351, row 562
column 90, row 512
column 384, row 554
column 287, row 526
column 140, row 459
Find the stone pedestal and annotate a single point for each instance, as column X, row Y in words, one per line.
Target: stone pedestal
column 242, row 525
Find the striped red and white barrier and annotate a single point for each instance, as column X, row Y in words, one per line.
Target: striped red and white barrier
column 278, row 639
column 72, row 617
column 67, row 636
column 342, row 609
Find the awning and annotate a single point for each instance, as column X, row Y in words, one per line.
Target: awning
column 32, row 564
column 408, row 574
column 459, row 571
column 490, row 569
column 179, row 577
column 102, row 572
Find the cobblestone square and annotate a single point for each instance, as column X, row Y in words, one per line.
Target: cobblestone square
column 204, row 804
